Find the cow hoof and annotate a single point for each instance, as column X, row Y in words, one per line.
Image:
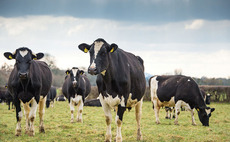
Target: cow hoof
column 18, row 132
column 80, row 120
column 176, row 123
column 108, row 138
column 42, row 130
column 158, row 122
column 31, row 133
column 139, row 137
column 118, row 139
column 194, row 124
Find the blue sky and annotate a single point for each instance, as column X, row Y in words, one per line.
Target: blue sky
column 191, row 35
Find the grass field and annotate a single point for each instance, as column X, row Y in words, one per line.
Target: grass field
column 58, row 126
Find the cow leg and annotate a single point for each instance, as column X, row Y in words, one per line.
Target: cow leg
column 193, row 118
column 138, row 111
column 156, row 110
column 41, row 114
column 19, row 117
column 118, row 120
column 80, row 110
column 177, row 109
column 52, row 103
column 27, row 112
column 32, row 115
column 71, row 104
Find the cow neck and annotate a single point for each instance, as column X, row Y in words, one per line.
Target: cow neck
column 111, row 73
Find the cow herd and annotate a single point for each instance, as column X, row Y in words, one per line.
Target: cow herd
column 120, row 81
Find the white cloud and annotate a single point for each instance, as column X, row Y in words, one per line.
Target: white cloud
column 196, row 24
column 202, row 52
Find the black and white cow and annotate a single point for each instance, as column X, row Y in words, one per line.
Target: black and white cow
column 61, row 98
column 76, row 88
column 29, row 83
column 51, row 97
column 178, row 91
column 93, row 102
column 207, row 97
column 120, row 81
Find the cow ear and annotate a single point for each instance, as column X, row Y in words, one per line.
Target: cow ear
column 9, row 55
column 212, row 109
column 112, row 48
column 67, row 72
column 81, row 72
column 84, row 47
column 38, row 56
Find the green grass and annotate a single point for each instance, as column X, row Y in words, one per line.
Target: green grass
column 58, row 126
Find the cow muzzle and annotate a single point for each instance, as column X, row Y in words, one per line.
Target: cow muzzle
column 92, row 71
column 23, row 75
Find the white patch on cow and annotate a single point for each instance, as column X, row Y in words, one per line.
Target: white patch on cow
column 71, row 104
column 110, row 101
column 74, row 73
column 34, row 106
column 153, row 89
column 189, row 80
column 20, row 114
column 130, row 102
column 77, row 99
column 122, row 101
column 208, row 111
column 97, row 47
column 208, row 94
column 23, row 53
column 93, row 65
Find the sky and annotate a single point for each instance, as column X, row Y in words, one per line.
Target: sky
column 190, row 35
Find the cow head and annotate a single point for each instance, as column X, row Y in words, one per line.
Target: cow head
column 99, row 55
column 74, row 75
column 204, row 115
column 23, row 57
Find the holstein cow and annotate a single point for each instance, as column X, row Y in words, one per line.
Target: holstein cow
column 93, row 102
column 29, row 83
column 61, row 98
column 50, row 97
column 170, row 111
column 76, row 88
column 120, row 81
column 178, row 91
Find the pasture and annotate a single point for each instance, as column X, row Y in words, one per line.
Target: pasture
column 58, row 126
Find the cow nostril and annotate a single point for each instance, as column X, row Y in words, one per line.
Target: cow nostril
column 23, row 75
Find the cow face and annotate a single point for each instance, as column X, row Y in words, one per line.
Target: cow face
column 74, row 75
column 23, row 57
column 204, row 115
column 99, row 55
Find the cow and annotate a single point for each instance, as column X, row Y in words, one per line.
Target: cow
column 93, row 102
column 120, row 81
column 61, row 98
column 178, row 90
column 76, row 88
column 50, row 97
column 207, row 97
column 29, row 83
column 170, row 111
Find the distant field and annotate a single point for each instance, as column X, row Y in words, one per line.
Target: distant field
column 58, row 126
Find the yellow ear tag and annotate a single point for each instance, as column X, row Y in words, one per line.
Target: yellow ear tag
column 10, row 57
column 112, row 50
column 197, row 109
column 86, row 50
column 35, row 58
column 67, row 73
